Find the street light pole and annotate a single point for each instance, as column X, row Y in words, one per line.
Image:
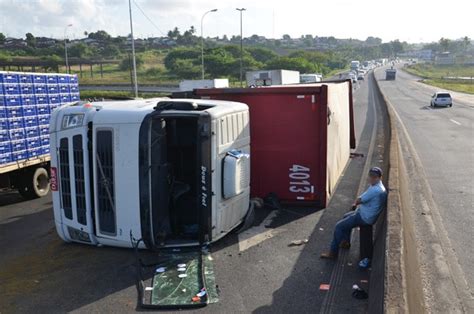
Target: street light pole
column 135, row 83
column 202, row 40
column 65, row 47
column 241, row 46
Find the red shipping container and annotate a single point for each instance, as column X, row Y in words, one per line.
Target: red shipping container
column 301, row 136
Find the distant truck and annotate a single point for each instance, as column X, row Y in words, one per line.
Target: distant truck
column 272, row 77
column 390, row 74
column 311, row 78
column 26, row 102
column 355, row 65
column 189, row 85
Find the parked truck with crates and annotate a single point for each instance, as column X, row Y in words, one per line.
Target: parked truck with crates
column 26, row 103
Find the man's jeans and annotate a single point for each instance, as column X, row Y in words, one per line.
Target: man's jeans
column 342, row 231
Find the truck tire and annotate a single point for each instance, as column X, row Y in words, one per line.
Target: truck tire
column 35, row 184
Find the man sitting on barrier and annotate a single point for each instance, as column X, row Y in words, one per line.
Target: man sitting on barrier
column 365, row 211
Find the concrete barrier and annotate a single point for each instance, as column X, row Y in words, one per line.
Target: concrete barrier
column 403, row 291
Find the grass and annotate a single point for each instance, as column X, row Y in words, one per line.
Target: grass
column 336, row 72
column 151, row 72
column 98, row 94
column 450, row 85
column 435, row 75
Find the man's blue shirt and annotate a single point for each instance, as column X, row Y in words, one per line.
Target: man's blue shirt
column 372, row 202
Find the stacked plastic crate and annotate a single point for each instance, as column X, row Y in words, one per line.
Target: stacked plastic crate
column 26, row 103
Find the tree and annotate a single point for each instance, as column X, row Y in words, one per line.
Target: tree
column 79, row 50
column 387, row 49
column 188, row 37
column 373, row 40
column 174, row 34
column 2, row 38
column 397, row 46
column 53, row 62
column 261, row 54
column 110, row 51
column 466, row 42
column 126, row 63
column 100, row 36
column 286, row 37
column 30, row 40
column 181, row 53
column 444, row 43
column 293, row 63
column 186, row 69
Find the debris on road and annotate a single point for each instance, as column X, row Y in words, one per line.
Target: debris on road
column 365, row 263
column 324, row 287
column 359, row 293
column 298, row 242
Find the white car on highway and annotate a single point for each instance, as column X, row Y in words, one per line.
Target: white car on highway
column 441, row 99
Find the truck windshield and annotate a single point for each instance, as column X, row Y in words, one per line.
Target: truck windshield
column 174, row 176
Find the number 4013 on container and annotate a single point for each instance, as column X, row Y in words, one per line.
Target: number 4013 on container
column 299, row 179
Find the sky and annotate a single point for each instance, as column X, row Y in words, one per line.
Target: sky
column 407, row 20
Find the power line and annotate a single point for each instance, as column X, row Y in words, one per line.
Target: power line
column 149, row 20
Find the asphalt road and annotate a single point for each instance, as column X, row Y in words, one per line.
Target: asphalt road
column 444, row 141
column 256, row 271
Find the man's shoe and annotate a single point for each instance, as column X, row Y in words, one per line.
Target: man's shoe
column 328, row 255
column 345, row 245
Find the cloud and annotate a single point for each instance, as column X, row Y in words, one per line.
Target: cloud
column 340, row 18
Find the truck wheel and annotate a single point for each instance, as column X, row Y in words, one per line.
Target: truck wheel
column 35, row 184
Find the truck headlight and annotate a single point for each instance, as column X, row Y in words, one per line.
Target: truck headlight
column 78, row 235
column 72, row 121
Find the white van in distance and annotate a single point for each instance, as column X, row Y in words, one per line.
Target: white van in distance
column 441, row 99
column 170, row 172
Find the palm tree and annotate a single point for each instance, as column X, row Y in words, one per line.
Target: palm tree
column 444, row 43
column 466, row 42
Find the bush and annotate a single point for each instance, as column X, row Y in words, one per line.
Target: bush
column 154, row 72
column 126, row 63
column 296, row 64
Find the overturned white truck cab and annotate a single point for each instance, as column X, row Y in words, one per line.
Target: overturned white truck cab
column 169, row 172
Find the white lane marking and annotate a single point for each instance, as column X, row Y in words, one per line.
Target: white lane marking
column 258, row 234
column 455, row 122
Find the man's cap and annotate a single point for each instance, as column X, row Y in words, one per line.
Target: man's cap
column 375, row 171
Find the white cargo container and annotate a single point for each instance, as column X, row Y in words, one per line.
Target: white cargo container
column 311, row 78
column 272, row 77
column 189, row 85
column 169, row 172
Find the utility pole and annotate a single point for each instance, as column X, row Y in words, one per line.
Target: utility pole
column 241, row 47
column 135, row 83
column 65, row 47
column 202, row 40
